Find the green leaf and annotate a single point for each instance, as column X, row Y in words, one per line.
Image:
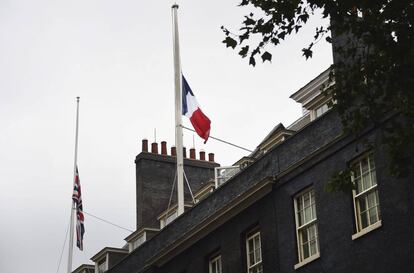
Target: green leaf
column 244, row 3
column 230, row 42
column 307, row 53
column 249, row 21
column 243, row 52
column 252, row 61
column 266, row 57
column 282, row 35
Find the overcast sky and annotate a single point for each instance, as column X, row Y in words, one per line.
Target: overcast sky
column 117, row 56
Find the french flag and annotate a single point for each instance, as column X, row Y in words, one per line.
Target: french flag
column 192, row 110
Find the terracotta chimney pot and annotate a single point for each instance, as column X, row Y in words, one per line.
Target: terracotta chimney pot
column 154, row 148
column 145, row 145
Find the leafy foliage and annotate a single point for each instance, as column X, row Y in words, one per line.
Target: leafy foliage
column 340, row 181
column 373, row 67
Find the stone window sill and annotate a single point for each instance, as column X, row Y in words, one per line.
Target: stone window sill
column 307, row 260
column 367, row 230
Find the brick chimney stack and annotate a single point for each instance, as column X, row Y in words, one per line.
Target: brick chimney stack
column 184, row 152
column 211, row 157
column 173, row 151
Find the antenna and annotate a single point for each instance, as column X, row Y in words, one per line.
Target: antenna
column 155, row 134
column 193, row 142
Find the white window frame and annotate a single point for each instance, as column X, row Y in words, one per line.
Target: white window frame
column 215, row 264
column 257, row 260
column 364, row 194
column 306, row 227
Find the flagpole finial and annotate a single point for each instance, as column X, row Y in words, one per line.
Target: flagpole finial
column 175, row 6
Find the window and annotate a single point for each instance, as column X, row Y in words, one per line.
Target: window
column 168, row 217
column 171, row 217
column 215, row 264
column 365, row 195
column 254, row 253
column 102, row 266
column 321, row 110
column 306, row 226
column 139, row 241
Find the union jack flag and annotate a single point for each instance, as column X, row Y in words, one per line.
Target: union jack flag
column 77, row 199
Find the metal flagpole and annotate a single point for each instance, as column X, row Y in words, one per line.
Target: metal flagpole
column 72, row 209
column 178, row 114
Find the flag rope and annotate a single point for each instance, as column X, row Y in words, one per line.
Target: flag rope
column 226, row 142
column 108, row 222
column 63, row 248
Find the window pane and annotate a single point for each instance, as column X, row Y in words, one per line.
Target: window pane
column 364, row 219
column 257, row 255
column 365, row 181
column 364, row 165
column 373, row 178
column 307, row 215
column 358, row 185
column 373, row 216
column 251, row 257
column 301, row 218
column 372, row 200
column 313, row 247
column 362, row 204
column 257, row 242
column 306, row 253
column 250, row 245
column 306, row 200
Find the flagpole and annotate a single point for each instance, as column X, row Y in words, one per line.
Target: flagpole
column 72, row 208
column 178, row 114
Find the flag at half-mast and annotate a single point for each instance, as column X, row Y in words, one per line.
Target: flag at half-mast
column 192, row 110
column 77, row 199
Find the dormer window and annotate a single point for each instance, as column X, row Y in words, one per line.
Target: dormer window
column 204, row 191
column 169, row 215
column 313, row 97
column 101, row 265
column 107, row 258
column 139, row 241
column 140, row 236
column 321, row 110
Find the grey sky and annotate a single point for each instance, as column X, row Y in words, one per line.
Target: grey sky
column 117, row 56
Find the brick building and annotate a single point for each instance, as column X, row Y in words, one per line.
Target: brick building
column 272, row 213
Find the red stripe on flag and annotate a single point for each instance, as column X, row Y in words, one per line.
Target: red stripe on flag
column 201, row 124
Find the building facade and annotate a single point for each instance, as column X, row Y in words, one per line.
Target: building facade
column 273, row 214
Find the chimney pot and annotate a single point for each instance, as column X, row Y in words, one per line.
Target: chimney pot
column 184, row 152
column 202, row 155
column 154, row 148
column 192, row 153
column 163, row 147
column 211, row 157
column 173, row 151
column 145, row 145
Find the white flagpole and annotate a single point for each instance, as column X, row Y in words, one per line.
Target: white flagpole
column 178, row 114
column 72, row 208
